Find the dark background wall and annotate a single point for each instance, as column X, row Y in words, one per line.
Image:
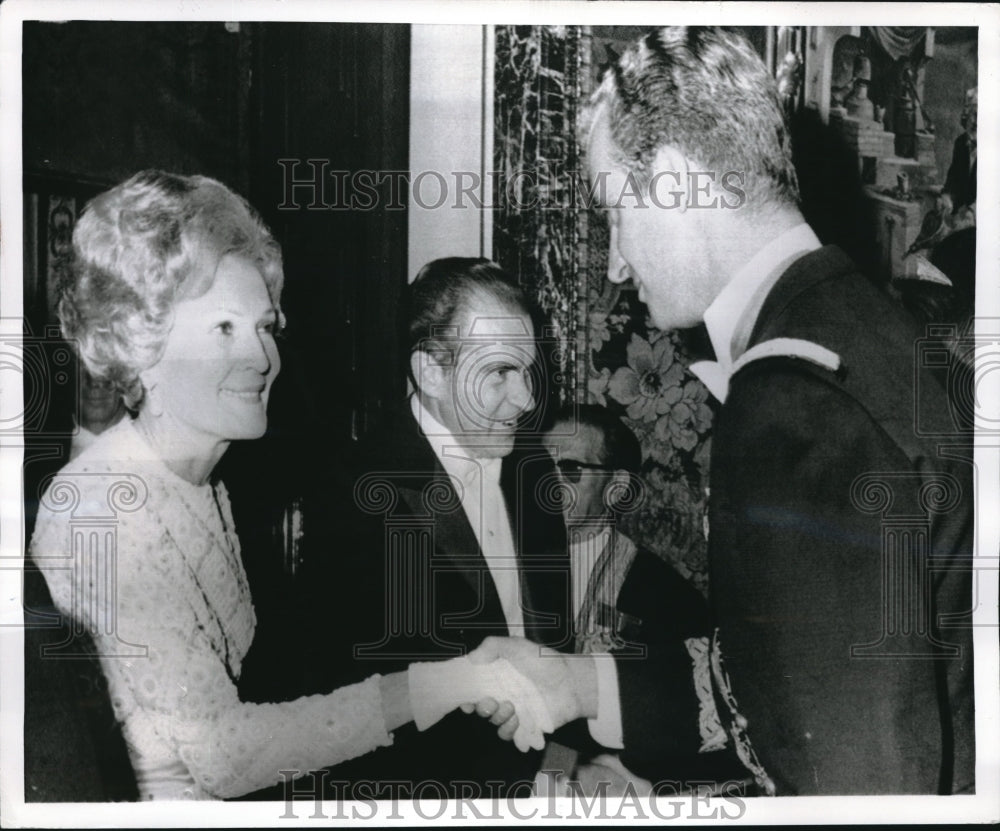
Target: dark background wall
column 103, row 100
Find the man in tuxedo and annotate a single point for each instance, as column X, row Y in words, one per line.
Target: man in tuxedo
column 841, row 512
column 447, row 542
column 627, row 601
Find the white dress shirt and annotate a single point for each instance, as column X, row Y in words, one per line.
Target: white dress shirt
column 484, row 506
column 477, row 482
column 731, row 317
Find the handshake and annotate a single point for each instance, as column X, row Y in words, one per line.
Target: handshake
column 525, row 689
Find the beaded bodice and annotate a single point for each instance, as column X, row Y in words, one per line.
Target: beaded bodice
column 149, row 565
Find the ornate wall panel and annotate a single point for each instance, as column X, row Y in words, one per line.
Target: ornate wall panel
column 538, row 226
column 557, row 245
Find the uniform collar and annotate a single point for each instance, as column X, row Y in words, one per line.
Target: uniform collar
column 731, row 317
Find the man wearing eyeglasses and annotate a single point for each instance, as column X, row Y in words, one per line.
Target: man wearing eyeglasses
column 627, row 601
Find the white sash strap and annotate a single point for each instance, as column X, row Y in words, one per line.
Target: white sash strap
column 789, row 348
column 713, row 375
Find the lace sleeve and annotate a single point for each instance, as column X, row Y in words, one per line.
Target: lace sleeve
column 174, row 694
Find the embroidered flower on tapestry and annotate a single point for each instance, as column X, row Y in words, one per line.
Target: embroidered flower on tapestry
column 650, row 384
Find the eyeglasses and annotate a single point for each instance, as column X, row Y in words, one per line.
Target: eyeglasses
column 573, row 469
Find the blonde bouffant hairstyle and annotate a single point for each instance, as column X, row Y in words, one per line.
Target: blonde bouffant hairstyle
column 138, row 249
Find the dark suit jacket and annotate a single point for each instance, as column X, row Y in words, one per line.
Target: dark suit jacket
column 398, row 576
column 840, row 540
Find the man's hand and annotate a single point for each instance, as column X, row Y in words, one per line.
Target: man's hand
column 436, row 688
column 605, row 774
column 568, row 683
column 502, row 715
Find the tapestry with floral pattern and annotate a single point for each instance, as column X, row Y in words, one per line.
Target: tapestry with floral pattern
column 641, row 374
column 557, row 246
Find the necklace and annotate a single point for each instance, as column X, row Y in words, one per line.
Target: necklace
column 226, row 546
column 172, row 511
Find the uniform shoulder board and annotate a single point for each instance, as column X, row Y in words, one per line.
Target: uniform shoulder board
column 790, row 348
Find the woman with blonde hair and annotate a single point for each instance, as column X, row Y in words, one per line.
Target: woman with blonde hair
column 176, row 301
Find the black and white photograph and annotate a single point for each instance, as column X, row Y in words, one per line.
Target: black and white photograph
column 540, row 413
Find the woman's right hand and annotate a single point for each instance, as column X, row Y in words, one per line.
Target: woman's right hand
column 567, row 683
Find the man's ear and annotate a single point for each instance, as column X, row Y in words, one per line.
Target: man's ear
column 617, row 488
column 674, row 167
column 429, row 375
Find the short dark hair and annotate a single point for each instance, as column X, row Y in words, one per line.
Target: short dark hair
column 706, row 92
column 619, row 447
column 442, row 290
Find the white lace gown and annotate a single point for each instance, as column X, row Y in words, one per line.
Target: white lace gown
column 148, row 564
